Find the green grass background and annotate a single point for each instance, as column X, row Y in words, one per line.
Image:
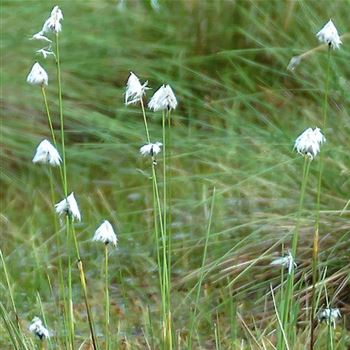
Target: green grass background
column 239, row 113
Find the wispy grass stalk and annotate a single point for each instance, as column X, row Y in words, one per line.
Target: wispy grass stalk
column 315, row 249
column 106, row 299
column 84, row 286
column 201, row 276
column 288, row 302
column 165, row 231
column 60, row 106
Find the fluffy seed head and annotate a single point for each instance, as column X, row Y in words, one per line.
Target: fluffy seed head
column 134, row 89
column 40, row 36
column 53, row 23
column 151, row 149
column 286, row 261
column 329, row 315
column 309, row 142
column 105, row 234
column 46, row 153
column 37, row 75
column 163, row 99
column 329, row 35
column 68, row 206
column 37, row 328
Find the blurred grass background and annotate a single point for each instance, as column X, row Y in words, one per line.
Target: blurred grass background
column 239, row 113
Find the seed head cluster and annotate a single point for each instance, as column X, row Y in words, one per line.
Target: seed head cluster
column 329, row 35
column 105, row 233
column 309, row 142
column 37, row 328
column 47, row 154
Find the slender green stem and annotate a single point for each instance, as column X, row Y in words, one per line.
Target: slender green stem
column 156, row 231
column 106, row 299
column 288, row 302
column 165, row 239
column 60, row 103
column 318, row 201
column 48, row 115
column 325, row 101
column 193, row 316
column 168, row 195
column 145, row 121
column 51, row 126
column 164, row 269
column 306, row 168
column 59, row 245
column 84, row 286
column 69, row 307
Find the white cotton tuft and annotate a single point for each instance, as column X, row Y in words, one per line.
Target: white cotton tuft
column 163, row 99
column 68, row 206
column 309, row 142
column 329, row 35
column 46, row 153
column 134, row 89
column 151, row 149
column 37, row 75
column 105, row 233
column 37, row 328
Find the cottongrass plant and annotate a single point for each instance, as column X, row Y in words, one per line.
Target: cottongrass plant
column 328, row 35
column 163, row 100
column 105, row 234
column 68, row 207
column 308, row 144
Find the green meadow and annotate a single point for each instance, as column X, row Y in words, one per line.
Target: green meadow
column 191, row 270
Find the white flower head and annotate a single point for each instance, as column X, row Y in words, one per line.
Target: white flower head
column 286, row 261
column 45, row 53
column 329, row 35
column 134, row 89
column 40, row 36
column 37, row 75
column 68, row 206
column 309, row 142
column 329, row 315
column 105, row 234
column 53, row 23
column 46, row 153
column 163, row 99
column 37, row 328
column 151, row 149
